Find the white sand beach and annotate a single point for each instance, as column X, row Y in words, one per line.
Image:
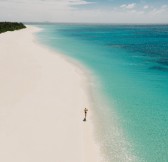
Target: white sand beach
column 42, row 98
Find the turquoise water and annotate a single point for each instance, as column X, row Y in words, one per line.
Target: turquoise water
column 130, row 64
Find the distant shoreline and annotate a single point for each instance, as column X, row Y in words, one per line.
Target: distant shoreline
column 78, row 23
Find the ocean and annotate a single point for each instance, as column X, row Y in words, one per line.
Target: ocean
column 129, row 67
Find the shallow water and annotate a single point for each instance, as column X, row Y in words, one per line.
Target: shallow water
column 131, row 96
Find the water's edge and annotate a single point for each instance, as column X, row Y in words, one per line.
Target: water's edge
column 101, row 109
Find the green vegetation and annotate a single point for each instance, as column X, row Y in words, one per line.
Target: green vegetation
column 10, row 26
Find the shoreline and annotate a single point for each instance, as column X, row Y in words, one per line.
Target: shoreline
column 34, row 102
column 110, row 137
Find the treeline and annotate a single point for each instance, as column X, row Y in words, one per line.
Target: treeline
column 10, row 26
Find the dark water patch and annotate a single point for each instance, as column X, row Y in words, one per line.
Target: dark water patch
column 158, row 53
column 163, row 61
column 159, row 68
column 148, row 49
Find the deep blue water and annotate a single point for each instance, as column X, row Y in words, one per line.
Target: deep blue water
column 130, row 63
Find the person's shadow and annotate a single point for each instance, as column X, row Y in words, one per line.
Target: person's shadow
column 84, row 119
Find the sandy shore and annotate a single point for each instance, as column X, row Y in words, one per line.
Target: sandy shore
column 42, row 97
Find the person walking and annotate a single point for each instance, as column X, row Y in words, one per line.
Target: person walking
column 85, row 111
